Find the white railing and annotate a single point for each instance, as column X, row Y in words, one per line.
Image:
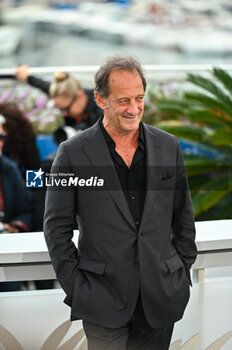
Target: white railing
column 24, row 256
column 172, row 72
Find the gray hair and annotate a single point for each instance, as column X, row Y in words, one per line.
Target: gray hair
column 116, row 62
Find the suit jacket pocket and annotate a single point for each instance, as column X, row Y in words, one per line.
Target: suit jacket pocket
column 167, row 178
column 174, row 263
column 92, row 285
column 166, row 184
column 91, row 265
column 85, row 264
column 165, row 181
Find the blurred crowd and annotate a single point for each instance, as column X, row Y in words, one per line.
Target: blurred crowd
column 21, row 209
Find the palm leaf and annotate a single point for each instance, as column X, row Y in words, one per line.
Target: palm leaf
column 224, row 78
column 197, row 183
column 198, row 169
column 175, row 107
column 204, row 199
column 202, row 182
column 221, row 210
column 208, row 117
column 208, row 101
column 204, row 161
column 207, row 125
column 222, row 137
column 212, row 88
column 184, row 131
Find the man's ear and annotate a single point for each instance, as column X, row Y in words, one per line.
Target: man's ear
column 101, row 101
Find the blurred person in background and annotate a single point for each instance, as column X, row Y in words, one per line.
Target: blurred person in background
column 20, row 142
column 76, row 104
column 20, row 146
column 16, row 205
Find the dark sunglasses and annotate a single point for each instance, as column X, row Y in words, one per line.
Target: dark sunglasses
column 3, row 136
column 67, row 109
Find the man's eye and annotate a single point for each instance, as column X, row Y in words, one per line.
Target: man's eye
column 123, row 102
column 140, row 98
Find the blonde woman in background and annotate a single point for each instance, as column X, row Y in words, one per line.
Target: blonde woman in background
column 77, row 104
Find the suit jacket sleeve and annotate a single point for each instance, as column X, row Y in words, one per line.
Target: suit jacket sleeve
column 183, row 217
column 59, row 220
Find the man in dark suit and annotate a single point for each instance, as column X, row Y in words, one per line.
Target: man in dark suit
column 129, row 278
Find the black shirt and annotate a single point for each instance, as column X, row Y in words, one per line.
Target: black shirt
column 133, row 179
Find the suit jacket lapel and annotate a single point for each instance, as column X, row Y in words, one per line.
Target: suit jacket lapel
column 154, row 160
column 99, row 156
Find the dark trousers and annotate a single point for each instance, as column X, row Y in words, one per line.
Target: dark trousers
column 135, row 335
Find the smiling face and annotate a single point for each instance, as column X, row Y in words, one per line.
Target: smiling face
column 123, row 108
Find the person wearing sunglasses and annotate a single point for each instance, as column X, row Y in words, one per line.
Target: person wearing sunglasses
column 76, row 104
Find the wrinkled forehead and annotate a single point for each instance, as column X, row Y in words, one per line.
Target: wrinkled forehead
column 125, row 82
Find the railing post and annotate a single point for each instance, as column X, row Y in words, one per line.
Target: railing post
column 199, row 276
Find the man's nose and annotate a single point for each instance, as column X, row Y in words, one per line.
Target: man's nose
column 133, row 108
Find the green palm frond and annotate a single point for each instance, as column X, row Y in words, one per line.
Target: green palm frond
column 176, row 107
column 213, row 88
column 221, row 210
column 211, row 192
column 204, row 119
column 208, row 101
column 208, row 117
column 222, row 137
column 202, row 165
column 224, row 78
column 184, row 131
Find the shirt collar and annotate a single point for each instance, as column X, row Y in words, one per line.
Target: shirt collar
column 110, row 141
